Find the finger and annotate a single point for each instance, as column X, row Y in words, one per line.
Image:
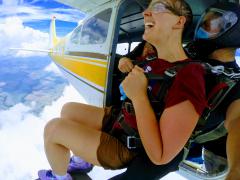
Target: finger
column 121, row 67
column 130, row 66
column 127, row 69
column 138, row 68
column 122, row 70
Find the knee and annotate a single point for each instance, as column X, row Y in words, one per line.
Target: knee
column 67, row 110
column 51, row 128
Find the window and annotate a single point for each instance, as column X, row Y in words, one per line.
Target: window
column 75, row 37
column 122, row 48
column 95, row 30
column 134, row 44
column 237, row 56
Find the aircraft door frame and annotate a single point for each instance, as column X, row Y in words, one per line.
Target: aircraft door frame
column 119, row 10
column 121, row 7
column 94, row 56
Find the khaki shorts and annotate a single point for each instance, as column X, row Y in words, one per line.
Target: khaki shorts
column 111, row 153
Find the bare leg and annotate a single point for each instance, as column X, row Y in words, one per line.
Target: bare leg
column 61, row 136
column 90, row 116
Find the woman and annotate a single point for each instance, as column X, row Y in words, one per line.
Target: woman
column 80, row 128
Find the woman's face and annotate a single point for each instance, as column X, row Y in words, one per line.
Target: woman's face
column 158, row 21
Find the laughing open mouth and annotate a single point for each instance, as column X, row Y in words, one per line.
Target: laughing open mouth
column 149, row 25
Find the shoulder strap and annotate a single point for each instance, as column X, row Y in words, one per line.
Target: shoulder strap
column 214, row 134
column 216, row 96
column 165, row 82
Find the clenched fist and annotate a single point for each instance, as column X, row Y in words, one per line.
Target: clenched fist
column 125, row 65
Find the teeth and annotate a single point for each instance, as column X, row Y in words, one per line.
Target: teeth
column 149, row 24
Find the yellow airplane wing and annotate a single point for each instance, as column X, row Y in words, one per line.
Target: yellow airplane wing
column 84, row 5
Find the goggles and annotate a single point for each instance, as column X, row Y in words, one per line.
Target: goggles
column 159, row 7
column 214, row 23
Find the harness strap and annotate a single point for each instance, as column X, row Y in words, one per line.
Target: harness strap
column 126, row 127
column 231, row 83
column 130, row 138
column 214, row 134
column 164, row 87
column 216, row 89
column 218, row 98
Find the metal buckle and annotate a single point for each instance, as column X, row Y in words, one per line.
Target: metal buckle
column 218, row 69
column 130, row 142
column 129, row 107
column 151, row 57
column 170, row 72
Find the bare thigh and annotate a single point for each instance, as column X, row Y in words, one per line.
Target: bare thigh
column 88, row 115
column 83, row 141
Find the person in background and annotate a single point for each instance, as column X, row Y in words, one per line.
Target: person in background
column 216, row 38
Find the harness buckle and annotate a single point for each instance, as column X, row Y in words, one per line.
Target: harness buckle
column 218, row 69
column 151, row 57
column 131, row 142
column 170, row 73
column 129, row 108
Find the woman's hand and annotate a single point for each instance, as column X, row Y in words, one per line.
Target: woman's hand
column 135, row 84
column 125, row 65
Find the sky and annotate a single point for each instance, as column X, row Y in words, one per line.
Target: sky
column 32, row 90
column 30, row 93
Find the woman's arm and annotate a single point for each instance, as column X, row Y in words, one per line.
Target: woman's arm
column 165, row 140
column 232, row 124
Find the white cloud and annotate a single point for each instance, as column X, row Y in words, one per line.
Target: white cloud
column 11, row 2
column 51, row 68
column 69, row 95
column 2, row 84
column 21, row 142
column 12, row 116
column 14, row 35
column 29, row 13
